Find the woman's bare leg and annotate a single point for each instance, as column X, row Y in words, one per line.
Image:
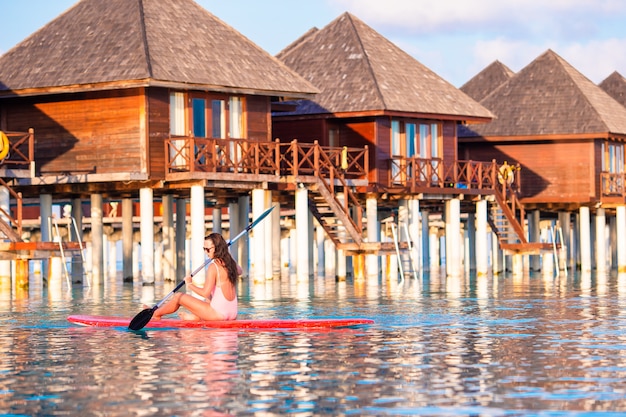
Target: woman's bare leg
column 200, row 310
column 188, row 316
column 169, row 307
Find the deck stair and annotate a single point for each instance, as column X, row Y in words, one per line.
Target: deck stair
column 505, row 218
column 6, row 220
column 505, row 225
column 333, row 215
column 7, row 230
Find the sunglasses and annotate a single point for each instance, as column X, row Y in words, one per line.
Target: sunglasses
column 207, row 250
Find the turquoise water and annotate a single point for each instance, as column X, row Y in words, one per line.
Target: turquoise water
column 489, row 346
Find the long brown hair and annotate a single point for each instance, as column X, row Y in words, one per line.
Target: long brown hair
column 221, row 253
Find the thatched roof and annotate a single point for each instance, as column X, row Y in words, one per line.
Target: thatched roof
column 122, row 43
column 486, row 81
column 550, row 97
column 615, row 86
column 359, row 70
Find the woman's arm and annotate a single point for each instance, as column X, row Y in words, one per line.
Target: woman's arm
column 209, row 283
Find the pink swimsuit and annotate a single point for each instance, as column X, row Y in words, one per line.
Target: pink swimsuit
column 227, row 308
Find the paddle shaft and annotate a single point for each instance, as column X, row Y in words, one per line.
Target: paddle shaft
column 208, row 261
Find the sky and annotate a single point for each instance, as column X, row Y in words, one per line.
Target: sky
column 454, row 38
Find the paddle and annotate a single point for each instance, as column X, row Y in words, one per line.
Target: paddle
column 144, row 316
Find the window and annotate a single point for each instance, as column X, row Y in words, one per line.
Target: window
column 411, row 144
column 177, row 114
column 396, row 144
column 434, row 141
column 198, row 106
column 178, row 151
column 218, row 118
column 410, row 139
column 236, row 118
column 396, row 153
column 613, row 157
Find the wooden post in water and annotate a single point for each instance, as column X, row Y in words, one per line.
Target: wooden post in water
column 342, row 264
column 198, row 231
column 97, row 252
column 244, row 242
column 21, row 275
column 146, row 203
column 258, row 237
column 78, row 269
column 566, row 244
column 482, row 247
column 234, row 228
column 585, row 240
column 425, row 255
column 470, row 243
column 414, row 232
column 302, row 234
column 275, row 236
column 620, row 220
column 534, row 219
column 45, row 212
column 453, row 238
column 601, row 240
column 268, row 238
column 5, row 266
column 216, row 219
column 181, row 237
column 372, row 266
column 169, row 239
column 127, row 239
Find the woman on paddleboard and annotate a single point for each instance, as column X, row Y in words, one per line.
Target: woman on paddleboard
column 219, row 291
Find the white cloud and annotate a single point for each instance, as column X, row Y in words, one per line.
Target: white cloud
column 528, row 17
column 596, row 59
column 513, row 54
column 458, row 38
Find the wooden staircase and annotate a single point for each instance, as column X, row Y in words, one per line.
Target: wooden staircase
column 506, row 217
column 333, row 215
column 7, row 231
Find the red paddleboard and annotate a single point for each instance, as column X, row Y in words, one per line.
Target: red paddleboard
column 112, row 321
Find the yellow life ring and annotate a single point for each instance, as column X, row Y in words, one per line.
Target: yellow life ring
column 4, row 142
column 505, row 174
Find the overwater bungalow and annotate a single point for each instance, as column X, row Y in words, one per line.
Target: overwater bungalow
column 567, row 136
column 134, row 109
column 374, row 94
column 487, row 80
column 161, row 110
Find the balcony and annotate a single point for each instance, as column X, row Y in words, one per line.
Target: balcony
column 243, row 160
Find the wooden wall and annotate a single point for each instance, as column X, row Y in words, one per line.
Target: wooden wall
column 71, row 131
column 259, row 118
column 158, row 111
column 552, row 172
column 306, row 131
column 450, row 148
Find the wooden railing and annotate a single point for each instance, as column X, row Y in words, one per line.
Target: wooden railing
column 21, row 155
column 612, row 184
column 417, row 173
column 190, row 154
column 420, row 174
column 21, row 150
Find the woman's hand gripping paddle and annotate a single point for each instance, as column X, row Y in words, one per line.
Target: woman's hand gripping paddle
column 144, row 316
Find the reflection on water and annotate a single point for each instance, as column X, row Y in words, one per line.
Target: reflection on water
column 493, row 346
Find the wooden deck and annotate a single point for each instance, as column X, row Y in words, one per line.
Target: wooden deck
column 37, row 250
column 328, row 170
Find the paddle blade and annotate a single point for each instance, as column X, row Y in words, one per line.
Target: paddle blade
column 141, row 319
